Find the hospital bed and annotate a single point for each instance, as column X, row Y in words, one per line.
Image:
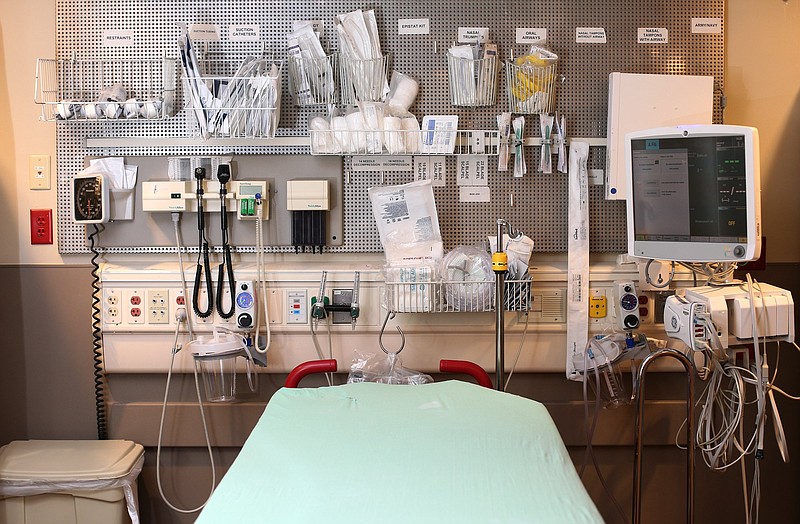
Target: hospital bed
column 443, row 452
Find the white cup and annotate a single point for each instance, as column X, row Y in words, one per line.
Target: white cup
column 64, row 109
column 91, row 111
column 151, row 109
column 111, row 109
column 132, row 108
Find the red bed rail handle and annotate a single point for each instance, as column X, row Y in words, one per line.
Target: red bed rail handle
column 469, row 368
column 308, row 368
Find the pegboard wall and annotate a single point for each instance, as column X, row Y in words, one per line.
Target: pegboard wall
column 539, row 201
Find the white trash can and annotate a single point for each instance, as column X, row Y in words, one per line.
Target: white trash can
column 69, row 481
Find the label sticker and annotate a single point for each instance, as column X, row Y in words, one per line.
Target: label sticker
column 471, row 35
column 531, row 35
column 438, row 171
column 397, row 164
column 208, row 32
column 317, row 25
column 709, row 26
column 463, row 171
column 422, row 168
column 653, row 35
column 474, row 194
column 414, row 26
column 118, row 38
column 244, row 33
column 590, row 35
column 366, row 164
column 595, row 177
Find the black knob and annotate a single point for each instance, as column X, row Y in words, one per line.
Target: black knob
column 244, row 320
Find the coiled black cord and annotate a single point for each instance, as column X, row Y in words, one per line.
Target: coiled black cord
column 97, row 341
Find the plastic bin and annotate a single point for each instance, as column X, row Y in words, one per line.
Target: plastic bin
column 69, row 481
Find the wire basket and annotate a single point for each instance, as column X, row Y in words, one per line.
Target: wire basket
column 312, row 81
column 472, row 83
column 364, row 80
column 235, row 99
column 119, row 89
column 455, row 296
column 530, row 88
column 337, row 136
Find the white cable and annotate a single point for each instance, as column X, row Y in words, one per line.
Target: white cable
column 261, row 276
column 519, row 351
column 175, row 350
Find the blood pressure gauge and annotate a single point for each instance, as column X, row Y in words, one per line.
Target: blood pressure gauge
column 90, row 199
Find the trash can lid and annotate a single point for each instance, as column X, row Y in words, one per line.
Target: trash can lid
column 56, row 460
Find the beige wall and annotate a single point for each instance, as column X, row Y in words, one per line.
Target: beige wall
column 763, row 88
column 28, row 32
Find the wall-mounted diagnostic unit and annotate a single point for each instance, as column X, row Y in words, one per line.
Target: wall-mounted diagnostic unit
column 90, row 199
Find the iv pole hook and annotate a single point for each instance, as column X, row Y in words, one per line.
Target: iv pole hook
column 390, row 315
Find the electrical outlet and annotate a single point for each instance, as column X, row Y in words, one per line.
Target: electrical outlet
column 41, row 226
column 111, row 307
column 177, row 301
column 132, row 312
column 158, row 306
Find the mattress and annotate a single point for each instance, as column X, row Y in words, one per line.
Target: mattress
column 441, row 452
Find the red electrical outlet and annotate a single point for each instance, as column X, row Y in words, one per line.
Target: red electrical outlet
column 41, row 226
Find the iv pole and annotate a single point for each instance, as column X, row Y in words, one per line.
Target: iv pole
column 500, row 267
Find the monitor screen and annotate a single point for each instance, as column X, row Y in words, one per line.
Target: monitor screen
column 694, row 193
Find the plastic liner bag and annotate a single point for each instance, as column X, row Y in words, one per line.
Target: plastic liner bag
column 407, row 223
column 384, row 368
column 32, row 487
column 469, row 279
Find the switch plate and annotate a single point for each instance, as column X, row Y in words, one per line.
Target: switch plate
column 41, row 226
column 39, row 171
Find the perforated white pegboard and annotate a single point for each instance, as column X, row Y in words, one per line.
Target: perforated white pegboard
column 539, row 200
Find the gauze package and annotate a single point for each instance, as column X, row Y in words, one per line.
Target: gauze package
column 411, row 289
column 407, row 223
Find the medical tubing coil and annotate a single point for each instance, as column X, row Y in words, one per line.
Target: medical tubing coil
column 97, row 342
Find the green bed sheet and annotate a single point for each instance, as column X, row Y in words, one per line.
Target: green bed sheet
column 448, row 452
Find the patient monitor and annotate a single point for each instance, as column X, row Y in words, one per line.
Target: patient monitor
column 694, row 193
column 694, row 196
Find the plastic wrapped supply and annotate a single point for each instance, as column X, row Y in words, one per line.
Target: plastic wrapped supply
column 411, row 289
column 407, row 223
column 402, row 92
column 385, row 369
column 372, row 113
column 468, row 279
column 518, row 278
column 531, row 81
column 311, row 77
